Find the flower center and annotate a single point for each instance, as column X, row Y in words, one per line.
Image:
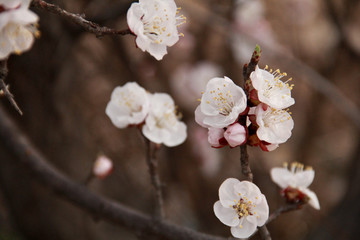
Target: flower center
column 243, row 208
column 158, row 27
column 129, row 100
column 275, row 116
column 277, row 86
column 222, row 100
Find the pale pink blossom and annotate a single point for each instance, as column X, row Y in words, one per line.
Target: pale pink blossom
column 162, row 125
column 221, row 103
column 242, row 207
column 154, row 22
column 296, row 178
column 16, row 27
column 129, row 105
column 275, row 126
column 271, row 90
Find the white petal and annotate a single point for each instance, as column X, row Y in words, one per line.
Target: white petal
column 262, row 210
column 199, row 117
column 158, row 51
column 227, row 216
column 227, row 194
column 304, row 178
column 177, row 137
column 134, row 15
column 314, row 202
column 247, row 189
column 281, row 176
column 245, row 231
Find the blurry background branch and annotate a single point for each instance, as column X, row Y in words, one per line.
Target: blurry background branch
column 87, row 25
column 79, row 195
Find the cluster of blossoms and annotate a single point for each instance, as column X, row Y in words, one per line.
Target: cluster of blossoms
column 17, row 28
column 155, row 22
column 223, row 104
column 155, row 114
column 294, row 183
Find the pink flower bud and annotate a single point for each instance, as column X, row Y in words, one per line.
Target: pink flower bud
column 216, row 137
column 235, row 135
column 103, row 166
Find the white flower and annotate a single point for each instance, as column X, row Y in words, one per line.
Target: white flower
column 102, row 166
column 242, row 207
column 270, row 89
column 296, row 178
column 274, row 125
column 221, row 103
column 129, row 105
column 162, row 124
column 154, row 23
column 16, row 32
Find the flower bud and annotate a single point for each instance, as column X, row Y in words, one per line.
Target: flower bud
column 235, row 135
column 103, row 167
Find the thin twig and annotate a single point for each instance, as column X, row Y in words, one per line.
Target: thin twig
column 4, row 88
column 79, row 195
column 244, row 156
column 283, row 209
column 87, row 25
column 152, row 163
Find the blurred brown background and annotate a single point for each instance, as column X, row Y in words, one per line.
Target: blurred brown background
column 64, row 83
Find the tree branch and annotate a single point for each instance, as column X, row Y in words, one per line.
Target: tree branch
column 79, row 195
column 152, row 163
column 283, row 209
column 4, row 88
column 87, row 25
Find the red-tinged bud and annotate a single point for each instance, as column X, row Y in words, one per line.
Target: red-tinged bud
column 103, row 167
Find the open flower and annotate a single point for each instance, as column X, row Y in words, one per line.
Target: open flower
column 274, row 125
column 16, row 31
column 154, row 22
column 270, row 89
column 162, row 124
column 241, row 206
column 221, row 103
column 295, row 183
column 129, row 105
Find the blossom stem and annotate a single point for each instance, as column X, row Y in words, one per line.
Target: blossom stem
column 79, row 19
column 152, row 163
column 4, row 88
column 283, row 209
column 245, row 166
column 244, row 156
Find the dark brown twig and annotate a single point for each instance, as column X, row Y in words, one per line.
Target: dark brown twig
column 87, row 25
column 152, row 163
column 79, row 195
column 4, row 88
column 244, row 157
